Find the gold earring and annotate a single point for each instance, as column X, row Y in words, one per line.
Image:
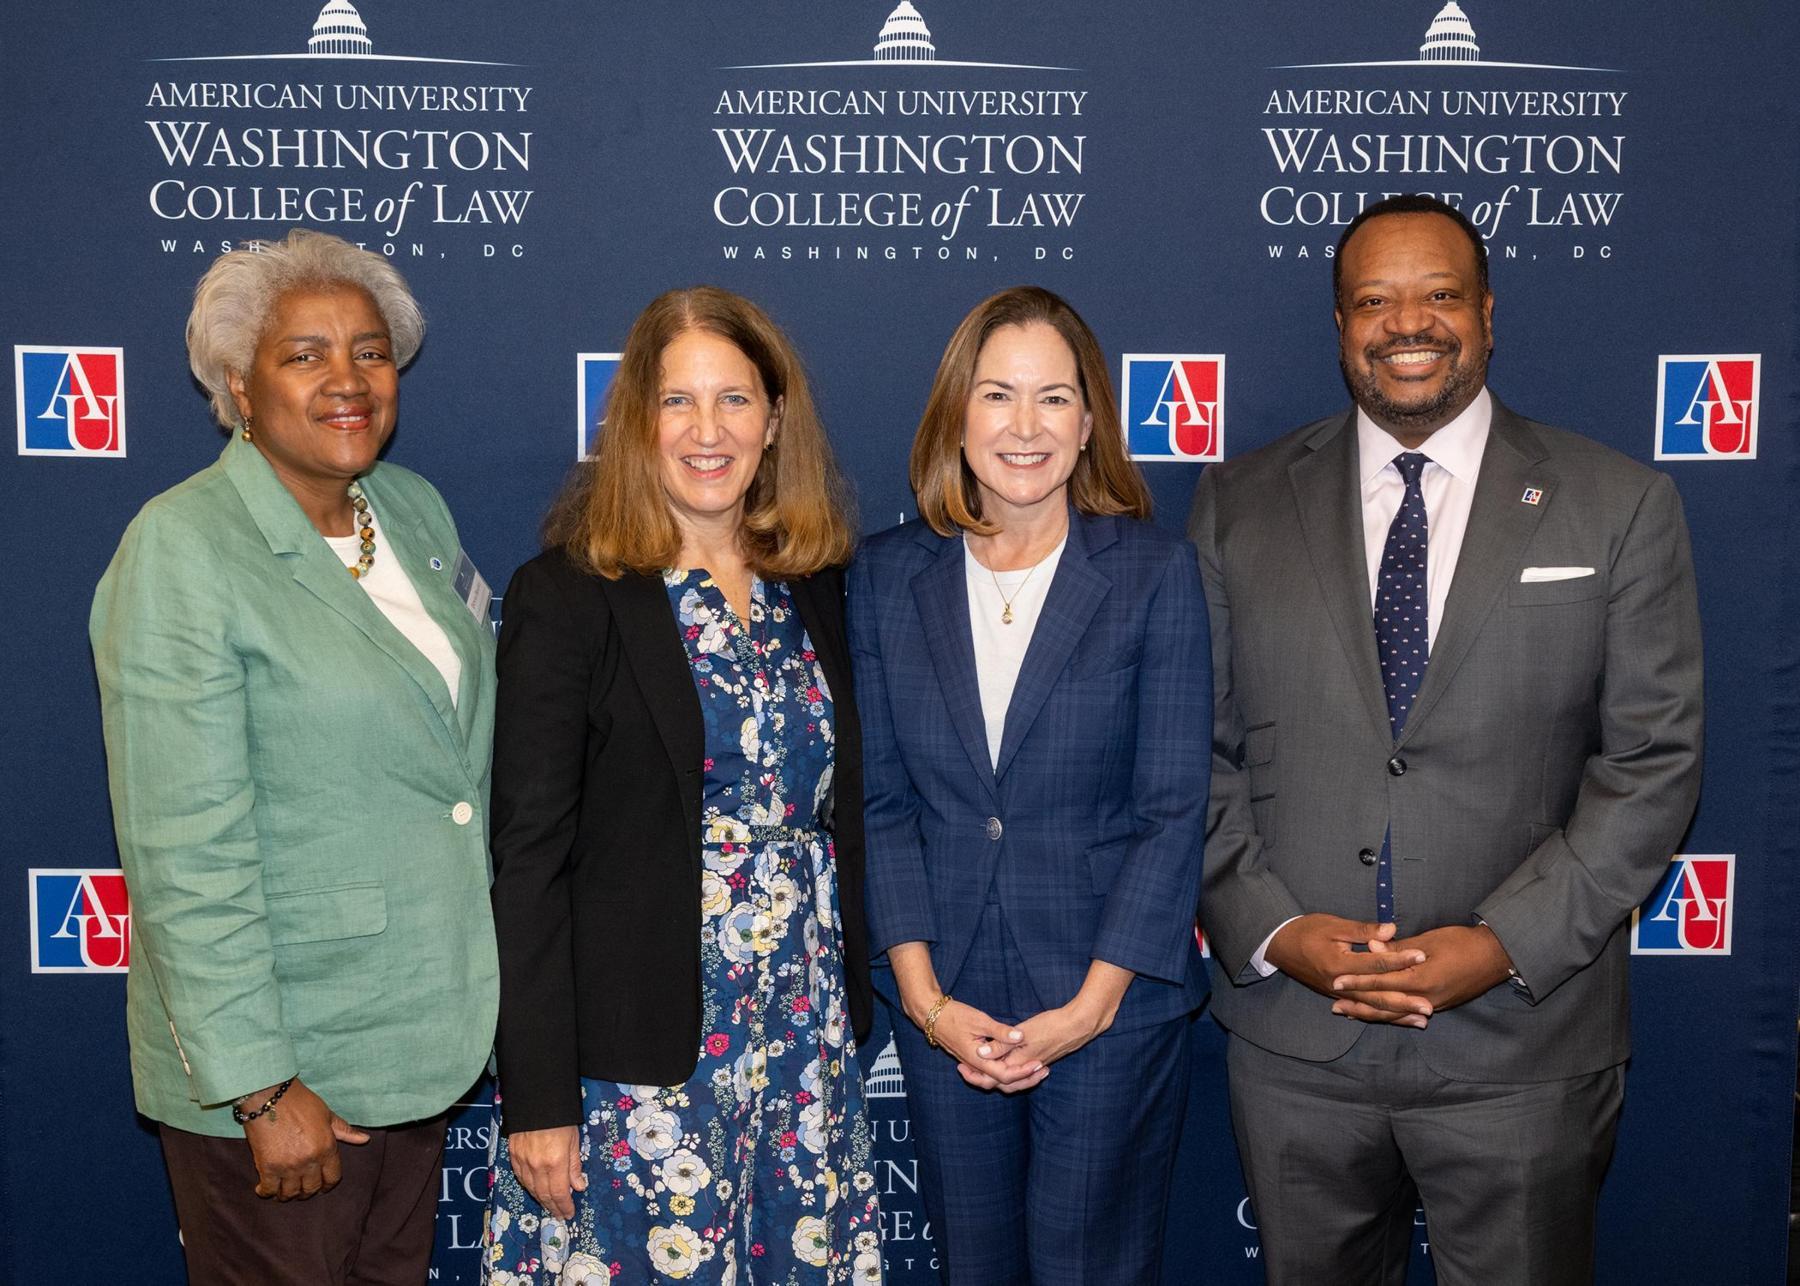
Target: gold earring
column 245, row 424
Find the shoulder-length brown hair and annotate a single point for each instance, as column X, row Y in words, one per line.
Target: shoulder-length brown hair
column 613, row 515
column 1105, row 480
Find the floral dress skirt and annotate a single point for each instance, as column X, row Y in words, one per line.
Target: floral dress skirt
column 756, row 1170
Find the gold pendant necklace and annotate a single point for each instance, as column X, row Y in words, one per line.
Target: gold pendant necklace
column 1005, row 602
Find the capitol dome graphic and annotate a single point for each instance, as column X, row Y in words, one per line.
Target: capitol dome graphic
column 904, row 37
column 338, row 32
column 1450, row 38
column 885, row 1078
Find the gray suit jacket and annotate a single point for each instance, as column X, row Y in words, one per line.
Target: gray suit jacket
column 1546, row 772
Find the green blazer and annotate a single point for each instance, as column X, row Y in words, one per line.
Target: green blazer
column 300, row 809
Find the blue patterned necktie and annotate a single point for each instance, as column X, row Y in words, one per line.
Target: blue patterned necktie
column 1402, row 632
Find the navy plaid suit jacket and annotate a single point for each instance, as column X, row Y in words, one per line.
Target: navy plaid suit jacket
column 1101, row 789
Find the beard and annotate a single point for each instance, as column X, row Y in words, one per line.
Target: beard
column 1461, row 383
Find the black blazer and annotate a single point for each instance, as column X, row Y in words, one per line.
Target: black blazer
column 598, row 743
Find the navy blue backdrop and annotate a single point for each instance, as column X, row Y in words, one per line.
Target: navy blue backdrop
column 540, row 170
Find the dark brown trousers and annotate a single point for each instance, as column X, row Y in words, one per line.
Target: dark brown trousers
column 373, row 1229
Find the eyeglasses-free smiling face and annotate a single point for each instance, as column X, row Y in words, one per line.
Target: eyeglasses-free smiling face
column 713, row 421
column 1026, row 422
column 1414, row 325
column 322, row 390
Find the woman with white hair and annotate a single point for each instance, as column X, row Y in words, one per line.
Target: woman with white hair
column 298, row 705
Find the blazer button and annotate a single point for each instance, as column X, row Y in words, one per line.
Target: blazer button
column 993, row 828
column 1366, row 856
column 462, row 813
column 1396, row 767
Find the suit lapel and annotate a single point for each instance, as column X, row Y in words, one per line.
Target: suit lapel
column 412, row 545
column 1328, row 497
column 1493, row 548
column 941, row 592
column 1075, row 595
column 652, row 642
column 315, row 568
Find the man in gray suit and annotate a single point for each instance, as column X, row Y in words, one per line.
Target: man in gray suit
column 1457, row 739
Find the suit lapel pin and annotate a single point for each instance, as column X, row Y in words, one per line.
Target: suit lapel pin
column 437, row 564
column 1532, row 496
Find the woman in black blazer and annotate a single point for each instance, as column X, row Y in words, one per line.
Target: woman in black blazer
column 678, row 839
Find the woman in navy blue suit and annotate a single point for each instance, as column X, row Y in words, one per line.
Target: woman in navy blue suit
column 1032, row 660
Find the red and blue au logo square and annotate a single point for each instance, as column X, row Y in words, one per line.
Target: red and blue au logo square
column 1706, row 407
column 1174, row 406
column 80, row 922
column 593, row 377
column 71, row 401
column 1691, row 911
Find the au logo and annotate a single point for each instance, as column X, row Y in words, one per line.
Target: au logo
column 1690, row 914
column 70, row 401
column 1174, row 406
column 80, row 921
column 593, row 377
column 1706, row 406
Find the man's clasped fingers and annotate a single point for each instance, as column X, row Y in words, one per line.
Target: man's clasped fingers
column 1383, row 1007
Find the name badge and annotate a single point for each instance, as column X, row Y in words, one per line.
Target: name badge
column 474, row 590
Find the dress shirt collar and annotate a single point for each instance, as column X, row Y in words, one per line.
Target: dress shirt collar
column 1456, row 447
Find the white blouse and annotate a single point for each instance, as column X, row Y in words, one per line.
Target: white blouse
column 1000, row 647
column 392, row 590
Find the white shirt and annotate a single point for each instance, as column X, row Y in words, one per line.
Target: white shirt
column 1453, row 459
column 999, row 647
column 392, row 590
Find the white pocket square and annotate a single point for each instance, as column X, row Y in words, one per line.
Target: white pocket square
column 1537, row 575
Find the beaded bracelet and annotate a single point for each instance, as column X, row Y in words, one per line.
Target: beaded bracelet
column 242, row 1117
column 931, row 1017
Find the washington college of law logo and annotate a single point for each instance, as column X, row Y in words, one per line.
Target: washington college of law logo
column 904, row 40
column 593, row 377
column 1690, row 913
column 1706, row 407
column 71, row 401
column 886, row 1078
column 1448, row 39
column 80, row 922
column 1174, row 406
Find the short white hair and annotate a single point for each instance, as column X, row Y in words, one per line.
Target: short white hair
column 234, row 301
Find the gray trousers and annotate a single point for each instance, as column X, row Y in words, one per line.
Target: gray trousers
column 1337, row 1155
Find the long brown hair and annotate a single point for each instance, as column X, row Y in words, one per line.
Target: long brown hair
column 613, row 515
column 1105, row 480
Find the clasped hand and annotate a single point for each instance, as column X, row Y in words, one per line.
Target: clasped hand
column 992, row 1055
column 1395, row 980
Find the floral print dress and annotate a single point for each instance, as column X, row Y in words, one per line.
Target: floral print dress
column 756, row 1171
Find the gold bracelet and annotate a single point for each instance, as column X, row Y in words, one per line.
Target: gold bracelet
column 931, row 1017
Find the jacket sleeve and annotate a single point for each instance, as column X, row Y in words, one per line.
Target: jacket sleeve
column 1147, row 924
column 1242, row 900
column 1555, row 913
column 178, row 762
column 899, row 894
column 540, row 752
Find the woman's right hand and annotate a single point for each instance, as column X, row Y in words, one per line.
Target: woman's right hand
column 548, row 1164
column 979, row 1046
column 977, row 1043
